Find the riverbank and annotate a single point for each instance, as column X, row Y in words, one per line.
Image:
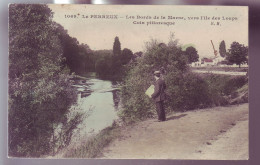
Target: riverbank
column 232, row 71
column 223, row 69
column 98, row 110
column 212, row 133
column 93, row 146
column 219, row 133
column 96, row 132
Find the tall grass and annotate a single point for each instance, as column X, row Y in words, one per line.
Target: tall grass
column 94, row 146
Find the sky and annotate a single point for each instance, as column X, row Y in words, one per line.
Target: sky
column 99, row 33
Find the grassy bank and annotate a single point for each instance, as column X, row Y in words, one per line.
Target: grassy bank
column 225, row 69
column 94, row 146
column 219, row 90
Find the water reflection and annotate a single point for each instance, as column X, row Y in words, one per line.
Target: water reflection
column 116, row 98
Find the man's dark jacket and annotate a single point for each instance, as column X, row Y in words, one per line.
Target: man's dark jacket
column 159, row 87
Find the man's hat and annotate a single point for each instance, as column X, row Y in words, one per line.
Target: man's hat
column 157, row 73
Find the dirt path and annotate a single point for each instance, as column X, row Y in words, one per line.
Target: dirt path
column 217, row 133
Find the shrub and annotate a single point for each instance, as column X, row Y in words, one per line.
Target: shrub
column 136, row 105
column 233, row 84
column 185, row 90
column 221, row 86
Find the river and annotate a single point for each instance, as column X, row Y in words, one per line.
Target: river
column 98, row 101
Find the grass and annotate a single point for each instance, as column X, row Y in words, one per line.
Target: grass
column 243, row 88
column 226, row 69
column 94, row 146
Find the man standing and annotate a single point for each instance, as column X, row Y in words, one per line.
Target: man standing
column 159, row 95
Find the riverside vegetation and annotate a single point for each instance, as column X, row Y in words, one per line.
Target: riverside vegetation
column 186, row 91
column 43, row 60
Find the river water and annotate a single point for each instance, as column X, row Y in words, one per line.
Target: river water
column 99, row 106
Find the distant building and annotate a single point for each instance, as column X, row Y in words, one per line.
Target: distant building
column 218, row 59
column 215, row 61
column 208, row 62
column 196, row 64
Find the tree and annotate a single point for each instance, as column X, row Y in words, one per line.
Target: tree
column 185, row 90
column 126, row 56
column 102, row 67
column 103, row 62
column 237, row 54
column 222, row 49
column 84, row 59
column 173, row 42
column 136, row 105
column 192, row 54
column 77, row 56
column 117, row 47
column 40, row 93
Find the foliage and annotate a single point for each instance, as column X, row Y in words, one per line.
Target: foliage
column 173, row 42
column 112, row 64
column 192, row 54
column 215, row 86
column 233, row 84
column 116, row 66
column 117, row 47
column 78, row 57
column 220, row 86
column 39, row 89
column 185, row 90
column 103, row 63
column 237, row 54
column 94, row 146
column 126, row 56
column 222, row 49
column 136, row 105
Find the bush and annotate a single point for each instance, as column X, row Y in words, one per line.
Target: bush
column 185, row 90
column 136, row 105
column 224, row 84
column 221, row 86
column 233, row 84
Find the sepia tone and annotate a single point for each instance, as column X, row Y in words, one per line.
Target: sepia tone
column 78, row 76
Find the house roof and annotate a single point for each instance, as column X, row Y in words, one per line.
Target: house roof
column 208, row 60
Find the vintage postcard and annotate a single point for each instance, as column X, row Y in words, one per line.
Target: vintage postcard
column 128, row 82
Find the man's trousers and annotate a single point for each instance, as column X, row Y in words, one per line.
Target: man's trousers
column 160, row 111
